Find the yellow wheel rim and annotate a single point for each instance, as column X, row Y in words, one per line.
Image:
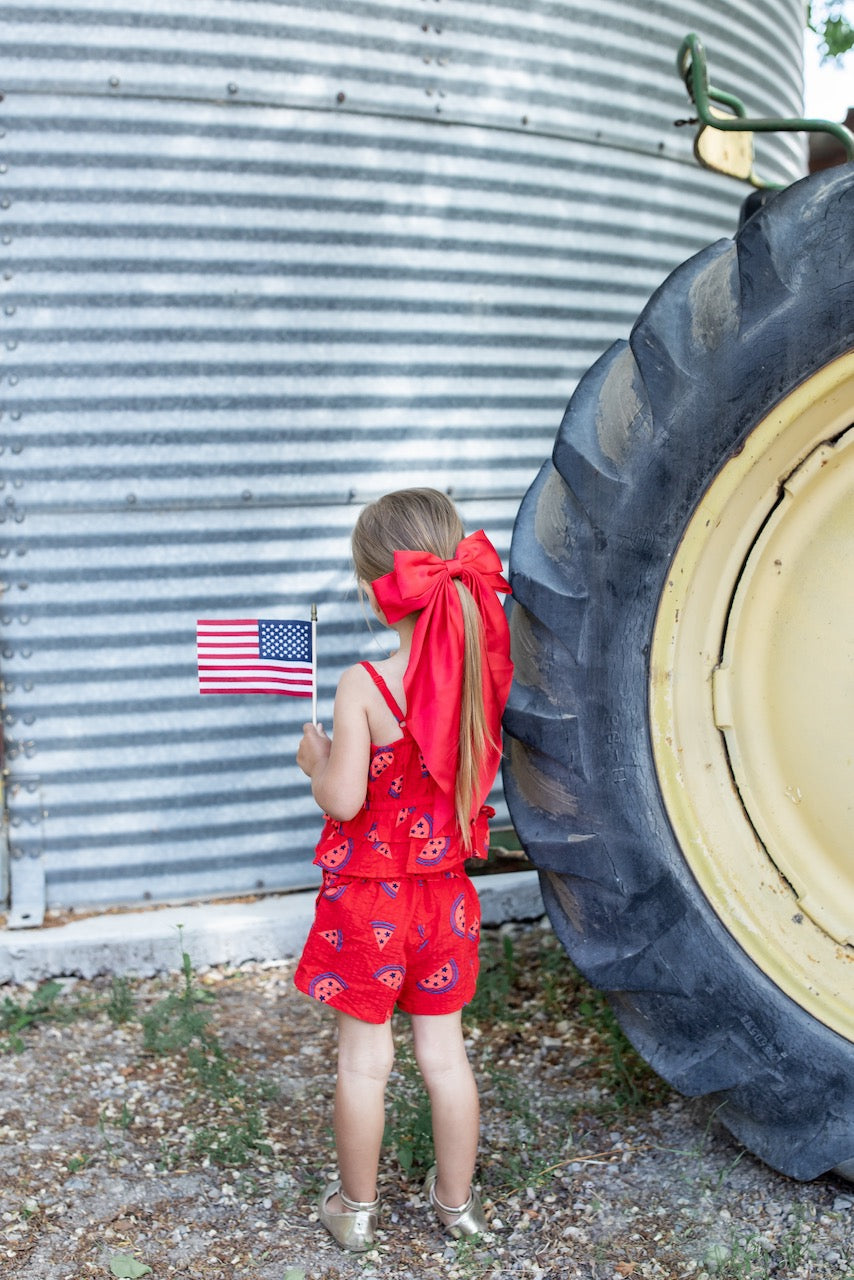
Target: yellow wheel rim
column 752, row 696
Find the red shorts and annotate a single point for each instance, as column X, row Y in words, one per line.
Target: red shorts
column 411, row 942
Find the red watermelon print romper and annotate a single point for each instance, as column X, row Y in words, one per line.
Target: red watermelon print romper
column 397, row 920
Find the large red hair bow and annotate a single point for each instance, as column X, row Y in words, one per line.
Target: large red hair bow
column 433, row 681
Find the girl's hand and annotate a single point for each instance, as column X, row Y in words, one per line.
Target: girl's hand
column 338, row 766
column 314, row 748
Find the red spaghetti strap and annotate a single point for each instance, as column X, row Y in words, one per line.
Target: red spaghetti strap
column 385, row 691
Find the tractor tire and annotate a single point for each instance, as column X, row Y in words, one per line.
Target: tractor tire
column 679, row 746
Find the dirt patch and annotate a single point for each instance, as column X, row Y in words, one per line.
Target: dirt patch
column 203, row 1155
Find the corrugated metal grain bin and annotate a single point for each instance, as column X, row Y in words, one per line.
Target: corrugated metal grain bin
column 261, row 261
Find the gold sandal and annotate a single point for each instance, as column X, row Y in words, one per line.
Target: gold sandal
column 464, row 1220
column 354, row 1229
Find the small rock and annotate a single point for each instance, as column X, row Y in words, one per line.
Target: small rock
column 716, row 1256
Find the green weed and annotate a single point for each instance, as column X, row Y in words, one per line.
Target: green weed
column 15, row 1018
column 626, row 1080
column 471, row 1261
column 77, row 1162
column 519, row 1153
column 409, row 1125
column 559, row 980
column 178, row 1020
column 121, row 1004
column 496, row 980
column 234, row 1142
column 181, row 1022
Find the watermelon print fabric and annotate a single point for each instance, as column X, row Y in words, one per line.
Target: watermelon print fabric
column 397, row 920
column 394, row 834
column 376, row 944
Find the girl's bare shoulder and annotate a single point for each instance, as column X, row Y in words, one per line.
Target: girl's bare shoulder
column 353, row 679
column 355, row 689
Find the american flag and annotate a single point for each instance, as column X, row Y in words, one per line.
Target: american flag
column 241, row 655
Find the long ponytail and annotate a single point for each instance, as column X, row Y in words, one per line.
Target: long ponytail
column 475, row 736
column 427, row 520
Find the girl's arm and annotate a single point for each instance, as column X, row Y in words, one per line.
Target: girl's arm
column 338, row 767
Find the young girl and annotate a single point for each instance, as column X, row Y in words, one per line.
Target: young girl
column 402, row 782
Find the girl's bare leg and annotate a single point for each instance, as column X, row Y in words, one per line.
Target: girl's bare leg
column 365, row 1057
column 441, row 1056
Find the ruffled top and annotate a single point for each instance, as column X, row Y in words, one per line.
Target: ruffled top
column 396, row 832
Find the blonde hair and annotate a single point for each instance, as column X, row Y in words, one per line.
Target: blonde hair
column 427, row 520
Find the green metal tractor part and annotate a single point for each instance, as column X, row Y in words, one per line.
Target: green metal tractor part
column 724, row 142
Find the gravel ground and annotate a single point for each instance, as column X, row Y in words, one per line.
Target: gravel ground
column 180, row 1126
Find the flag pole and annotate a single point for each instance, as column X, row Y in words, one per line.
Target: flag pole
column 314, row 665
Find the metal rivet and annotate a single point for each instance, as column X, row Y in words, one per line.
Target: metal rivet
column 114, row 82
column 232, row 88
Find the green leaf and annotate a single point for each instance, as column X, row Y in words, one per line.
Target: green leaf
column 125, row 1267
column 294, row 1273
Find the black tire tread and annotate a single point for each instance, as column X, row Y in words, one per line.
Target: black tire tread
column 727, row 335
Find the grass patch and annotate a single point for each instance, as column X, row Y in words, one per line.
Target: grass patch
column 41, row 1007
column 179, row 1024
column 409, row 1124
column 626, row 1080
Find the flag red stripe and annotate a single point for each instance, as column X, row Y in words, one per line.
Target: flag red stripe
column 248, row 673
column 294, row 693
column 264, row 679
